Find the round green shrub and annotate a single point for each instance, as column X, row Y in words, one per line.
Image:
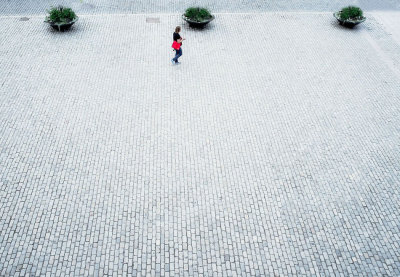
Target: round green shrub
column 198, row 14
column 351, row 13
column 61, row 14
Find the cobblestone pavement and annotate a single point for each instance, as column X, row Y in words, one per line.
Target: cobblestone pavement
column 273, row 149
column 10, row 7
column 390, row 22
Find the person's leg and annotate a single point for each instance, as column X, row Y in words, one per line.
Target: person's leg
column 175, row 59
column 178, row 54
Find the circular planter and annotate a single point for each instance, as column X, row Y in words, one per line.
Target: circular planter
column 349, row 22
column 62, row 26
column 197, row 24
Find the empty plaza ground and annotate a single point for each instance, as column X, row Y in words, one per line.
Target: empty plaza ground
column 272, row 150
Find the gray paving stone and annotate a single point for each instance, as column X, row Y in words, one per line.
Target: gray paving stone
column 272, row 149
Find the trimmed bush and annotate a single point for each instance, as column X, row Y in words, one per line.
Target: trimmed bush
column 351, row 13
column 198, row 14
column 61, row 14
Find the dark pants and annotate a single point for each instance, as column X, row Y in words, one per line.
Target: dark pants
column 178, row 54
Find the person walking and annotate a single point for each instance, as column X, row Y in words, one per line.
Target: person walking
column 177, row 45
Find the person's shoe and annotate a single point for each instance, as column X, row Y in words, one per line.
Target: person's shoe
column 177, row 63
column 173, row 62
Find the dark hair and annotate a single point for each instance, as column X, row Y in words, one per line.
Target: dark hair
column 177, row 29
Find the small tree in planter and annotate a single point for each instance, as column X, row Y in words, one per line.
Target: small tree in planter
column 350, row 16
column 197, row 17
column 61, row 18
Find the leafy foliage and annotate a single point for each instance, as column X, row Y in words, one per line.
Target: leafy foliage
column 61, row 14
column 351, row 12
column 198, row 14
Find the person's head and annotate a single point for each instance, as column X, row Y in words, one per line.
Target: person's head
column 177, row 29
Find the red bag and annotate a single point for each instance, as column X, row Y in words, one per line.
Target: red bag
column 176, row 45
